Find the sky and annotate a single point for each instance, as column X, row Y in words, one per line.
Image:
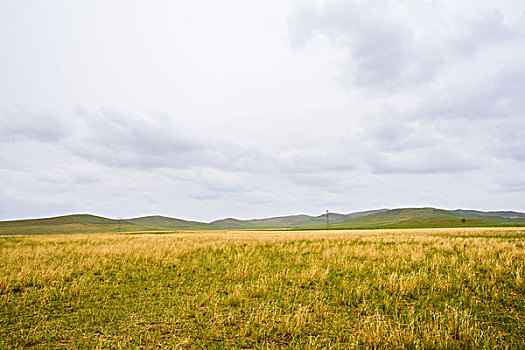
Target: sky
column 210, row 109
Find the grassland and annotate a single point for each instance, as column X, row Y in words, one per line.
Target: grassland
column 414, row 289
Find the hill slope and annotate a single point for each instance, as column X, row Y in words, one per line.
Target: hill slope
column 162, row 222
column 423, row 217
column 382, row 218
column 291, row 221
column 502, row 214
column 85, row 223
column 277, row 222
column 79, row 223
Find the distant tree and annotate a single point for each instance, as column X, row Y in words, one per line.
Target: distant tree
column 463, row 220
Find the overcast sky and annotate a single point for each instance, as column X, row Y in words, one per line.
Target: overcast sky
column 211, row 109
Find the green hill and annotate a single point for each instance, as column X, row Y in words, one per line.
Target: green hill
column 85, row 223
column 80, row 223
column 291, row 221
column 320, row 221
column 502, row 214
column 228, row 223
column 382, row 218
column 275, row 222
column 161, row 222
column 423, row 217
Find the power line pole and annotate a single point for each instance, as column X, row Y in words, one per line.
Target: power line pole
column 119, row 219
column 327, row 221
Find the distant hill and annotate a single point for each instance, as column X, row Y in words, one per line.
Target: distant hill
column 424, row 217
column 86, row 223
column 291, row 221
column 381, row 218
column 79, row 223
column 163, row 222
column 276, row 222
column 503, row 214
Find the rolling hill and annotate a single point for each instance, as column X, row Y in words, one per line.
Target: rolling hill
column 292, row 221
column 79, row 223
column 382, row 218
column 162, row 222
column 503, row 214
column 424, row 217
column 86, row 223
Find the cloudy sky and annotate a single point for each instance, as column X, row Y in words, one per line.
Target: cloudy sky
column 209, row 109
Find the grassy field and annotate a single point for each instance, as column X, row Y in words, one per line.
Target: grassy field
column 414, row 289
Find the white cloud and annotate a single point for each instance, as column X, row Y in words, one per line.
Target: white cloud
column 129, row 108
column 402, row 44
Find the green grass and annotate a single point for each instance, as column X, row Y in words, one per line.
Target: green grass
column 433, row 289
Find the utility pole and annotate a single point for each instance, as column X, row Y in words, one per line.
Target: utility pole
column 119, row 219
column 327, row 221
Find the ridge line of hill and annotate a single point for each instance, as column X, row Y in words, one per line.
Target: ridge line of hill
column 380, row 218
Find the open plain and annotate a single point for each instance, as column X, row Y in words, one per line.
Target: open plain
column 413, row 288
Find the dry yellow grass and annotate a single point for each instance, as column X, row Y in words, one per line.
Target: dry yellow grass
column 425, row 288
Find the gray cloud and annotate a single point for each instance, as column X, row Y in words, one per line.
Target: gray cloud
column 507, row 139
column 424, row 160
column 379, row 49
column 481, row 31
column 218, row 181
column 327, row 159
column 393, row 132
column 446, row 80
column 512, row 186
column 490, row 95
column 396, row 45
column 348, row 104
column 24, row 124
column 117, row 138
